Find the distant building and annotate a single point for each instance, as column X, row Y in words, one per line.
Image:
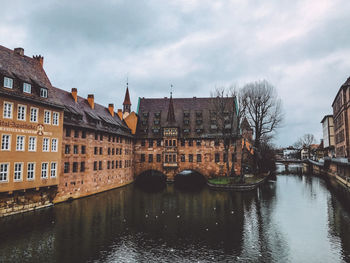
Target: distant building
column 328, row 135
column 341, row 115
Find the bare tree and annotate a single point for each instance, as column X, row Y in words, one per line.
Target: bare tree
column 224, row 120
column 262, row 108
column 305, row 142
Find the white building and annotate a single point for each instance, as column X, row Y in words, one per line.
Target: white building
column 328, row 134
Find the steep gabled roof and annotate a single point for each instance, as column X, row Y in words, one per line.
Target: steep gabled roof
column 87, row 115
column 127, row 98
column 22, row 68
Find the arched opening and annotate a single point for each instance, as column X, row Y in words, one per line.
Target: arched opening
column 151, row 180
column 189, row 180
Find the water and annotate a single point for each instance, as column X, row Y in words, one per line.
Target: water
column 295, row 219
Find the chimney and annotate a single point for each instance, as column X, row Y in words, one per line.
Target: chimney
column 91, row 100
column 120, row 113
column 75, row 94
column 19, row 51
column 111, row 109
column 40, row 59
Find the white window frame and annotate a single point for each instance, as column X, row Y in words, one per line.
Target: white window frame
column 43, row 92
column 31, row 171
column 17, row 173
column 6, row 110
column 7, row 172
column 34, row 117
column 27, row 88
column 46, row 146
column 46, row 170
column 32, row 149
column 23, row 114
column 22, row 145
column 47, row 119
column 9, row 142
column 55, row 121
column 8, row 83
column 54, row 145
column 53, row 170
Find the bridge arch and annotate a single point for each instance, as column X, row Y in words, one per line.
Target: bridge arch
column 151, row 179
column 190, row 179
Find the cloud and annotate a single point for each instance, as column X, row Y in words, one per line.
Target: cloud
column 301, row 47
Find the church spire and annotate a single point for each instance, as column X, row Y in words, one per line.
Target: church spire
column 127, row 103
column 171, row 113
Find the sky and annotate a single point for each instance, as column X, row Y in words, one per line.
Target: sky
column 301, row 47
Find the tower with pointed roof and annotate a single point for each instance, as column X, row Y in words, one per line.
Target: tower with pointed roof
column 171, row 114
column 127, row 102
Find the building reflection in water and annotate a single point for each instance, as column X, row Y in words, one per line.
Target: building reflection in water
column 271, row 224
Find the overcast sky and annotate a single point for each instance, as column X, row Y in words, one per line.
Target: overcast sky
column 302, row 47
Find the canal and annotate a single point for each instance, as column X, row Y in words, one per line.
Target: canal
column 294, row 219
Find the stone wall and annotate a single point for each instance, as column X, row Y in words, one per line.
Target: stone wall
column 19, row 201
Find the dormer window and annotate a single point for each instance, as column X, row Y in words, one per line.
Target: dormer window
column 8, row 82
column 157, row 114
column 43, row 93
column 145, row 114
column 27, row 88
column 156, row 122
column 186, row 114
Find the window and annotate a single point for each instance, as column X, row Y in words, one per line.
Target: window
column 101, row 151
column 225, row 158
column 199, row 158
column 158, row 158
column 109, row 151
column 18, row 172
column 83, row 149
column 30, row 171
column 101, row 137
column 83, row 134
column 54, row 145
column 46, row 144
column 198, row 143
column 190, row 143
column 27, row 88
column 76, row 133
column 4, row 171
column 75, row 167
column 116, row 164
column 44, row 167
column 47, row 117
column 190, row 158
column 150, row 143
column 217, row 157
column 95, row 150
column 182, row 142
column 120, row 164
column 66, row 167
column 20, row 143
column 82, row 167
column 142, row 158
column 100, row 165
column 113, row 151
column 96, row 136
column 5, row 142
column 183, row 158
column 67, row 132
column 159, row 142
column 67, row 149
column 55, row 118
column 21, row 112
column 8, row 110
column 53, row 169
column 150, row 158
column 143, row 142
column 33, row 114
column 216, row 143
column 43, row 92
column 32, row 144
column 75, row 149
column 8, row 82
column 166, row 142
column 95, row 165
column 108, row 165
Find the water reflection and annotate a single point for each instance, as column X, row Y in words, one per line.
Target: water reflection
column 295, row 219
